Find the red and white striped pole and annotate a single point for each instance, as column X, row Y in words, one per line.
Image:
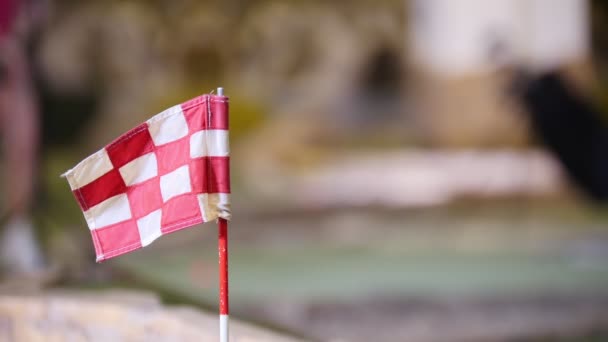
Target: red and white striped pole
column 222, row 246
column 223, row 261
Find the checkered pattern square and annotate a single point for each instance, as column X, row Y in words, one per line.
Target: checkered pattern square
column 166, row 174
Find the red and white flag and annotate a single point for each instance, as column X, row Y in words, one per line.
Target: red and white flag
column 166, row 174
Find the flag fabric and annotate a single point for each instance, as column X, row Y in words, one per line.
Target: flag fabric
column 166, row 174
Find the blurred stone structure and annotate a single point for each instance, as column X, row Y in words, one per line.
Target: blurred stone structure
column 297, row 58
column 112, row 316
column 402, row 71
column 458, row 49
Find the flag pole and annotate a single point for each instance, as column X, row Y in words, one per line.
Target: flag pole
column 223, row 261
column 222, row 225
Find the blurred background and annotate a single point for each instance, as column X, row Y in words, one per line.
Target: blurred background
column 420, row 170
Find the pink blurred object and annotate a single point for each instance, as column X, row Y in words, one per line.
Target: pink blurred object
column 8, row 13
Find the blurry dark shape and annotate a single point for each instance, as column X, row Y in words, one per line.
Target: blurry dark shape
column 65, row 114
column 383, row 73
column 378, row 97
column 571, row 127
column 3, row 72
column 599, row 38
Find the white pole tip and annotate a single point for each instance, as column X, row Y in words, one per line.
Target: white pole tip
column 224, row 328
column 220, row 91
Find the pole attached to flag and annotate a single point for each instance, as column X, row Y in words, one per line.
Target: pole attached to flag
column 223, row 264
column 223, row 269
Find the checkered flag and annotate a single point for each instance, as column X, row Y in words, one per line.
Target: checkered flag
column 166, row 174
